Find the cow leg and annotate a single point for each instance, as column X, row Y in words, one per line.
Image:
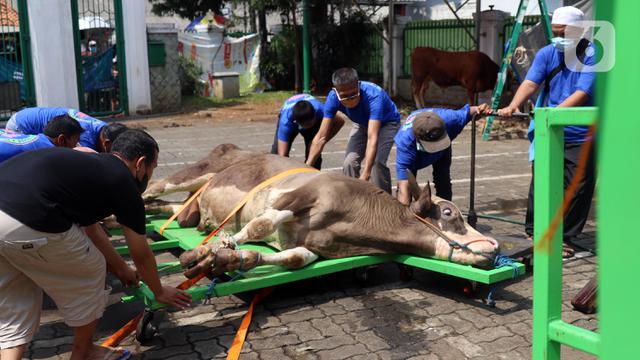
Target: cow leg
column 190, row 216
column 416, row 85
column 263, row 226
column 423, row 90
column 222, row 259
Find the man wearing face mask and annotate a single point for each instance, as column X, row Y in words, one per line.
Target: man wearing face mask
column 301, row 114
column 62, row 131
column 43, row 247
column 376, row 120
column 565, row 86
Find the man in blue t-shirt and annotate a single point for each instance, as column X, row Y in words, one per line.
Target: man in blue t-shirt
column 567, row 87
column 425, row 139
column 376, row 120
column 301, row 114
column 96, row 135
column 62, row 131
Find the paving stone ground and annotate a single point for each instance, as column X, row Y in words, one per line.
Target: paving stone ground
column 336, row 316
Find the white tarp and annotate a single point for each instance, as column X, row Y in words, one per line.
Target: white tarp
column 217, row 54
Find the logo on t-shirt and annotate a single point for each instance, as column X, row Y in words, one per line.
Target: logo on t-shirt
column 79, row 115
column 13, row 138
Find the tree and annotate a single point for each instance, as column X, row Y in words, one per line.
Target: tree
column 185, row 9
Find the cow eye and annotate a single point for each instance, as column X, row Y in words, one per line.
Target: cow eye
column 447, row 212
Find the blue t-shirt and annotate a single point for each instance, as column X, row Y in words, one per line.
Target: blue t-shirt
column 374, row 104
column 287, row 129
column 408, row 157
column 563, row 84
column 13, row 143
column 33, row 121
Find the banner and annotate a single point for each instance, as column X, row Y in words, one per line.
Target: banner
column 218, row 54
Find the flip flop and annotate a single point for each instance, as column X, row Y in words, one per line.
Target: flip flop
column 115, row 354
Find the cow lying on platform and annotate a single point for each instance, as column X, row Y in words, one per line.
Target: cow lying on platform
column 316, row 214
column 473, row 70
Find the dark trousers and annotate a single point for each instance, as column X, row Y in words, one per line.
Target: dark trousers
column 307, row 135
column 576, row 216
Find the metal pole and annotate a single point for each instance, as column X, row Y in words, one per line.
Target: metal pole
column 391, row 43
column 472, row 217
column 305, row 47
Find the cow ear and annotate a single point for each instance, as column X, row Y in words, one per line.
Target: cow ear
column 422, row 206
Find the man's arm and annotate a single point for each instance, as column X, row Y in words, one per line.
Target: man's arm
column 115, row 263
column 319, row 141
column 283, row 148
column 578, row 98
column 147, row 268
column 525, row 91
column 404, row 195
column 373, row 130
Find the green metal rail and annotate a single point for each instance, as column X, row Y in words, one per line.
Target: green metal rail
column 549, row 331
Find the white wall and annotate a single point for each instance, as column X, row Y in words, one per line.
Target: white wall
column 135, row 47
column 52, row 50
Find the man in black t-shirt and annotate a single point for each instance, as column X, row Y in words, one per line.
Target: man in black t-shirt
column 46, row 197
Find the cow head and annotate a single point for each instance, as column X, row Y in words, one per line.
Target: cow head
column 476, row 248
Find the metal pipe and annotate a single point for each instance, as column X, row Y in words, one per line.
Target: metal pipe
column 305, row 47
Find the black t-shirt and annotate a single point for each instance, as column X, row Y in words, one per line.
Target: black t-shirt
column 50, row 189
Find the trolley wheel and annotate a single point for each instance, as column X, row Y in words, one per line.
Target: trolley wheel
column 406, row 272
column 363, row 274
column 146, row 329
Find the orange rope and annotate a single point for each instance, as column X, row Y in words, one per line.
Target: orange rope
column 184, row 206
column 129, row 327
column 547, row 237
column 241, row 335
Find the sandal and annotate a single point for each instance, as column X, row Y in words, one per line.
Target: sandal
column 567, row 251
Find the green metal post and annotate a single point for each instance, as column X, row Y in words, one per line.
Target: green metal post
column 122, row 59
column 306, row 57
column 547, row 266
column 76, row 52
column 546, row 24
column 25, row 52
column 618, row 191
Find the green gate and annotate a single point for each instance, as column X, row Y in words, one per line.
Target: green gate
column 16, row 75
column 447, row 35
column 371, row 66
column 100, row 56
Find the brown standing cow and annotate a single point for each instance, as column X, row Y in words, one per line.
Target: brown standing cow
column 473, row 70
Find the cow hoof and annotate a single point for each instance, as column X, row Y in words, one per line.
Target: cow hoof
column 226, row 241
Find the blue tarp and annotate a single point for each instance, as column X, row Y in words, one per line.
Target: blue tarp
column 97, row 71
column 12, row 71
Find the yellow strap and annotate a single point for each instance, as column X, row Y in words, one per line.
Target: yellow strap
column 184, row 206
column 241, row 335
column 253, row 191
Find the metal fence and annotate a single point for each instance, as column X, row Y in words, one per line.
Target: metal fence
column 100, row 58
column 16, row 82
column 372, row 66
column 448, row 35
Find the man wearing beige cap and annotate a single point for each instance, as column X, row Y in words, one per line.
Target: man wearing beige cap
column 425, row 139
column 565, row 86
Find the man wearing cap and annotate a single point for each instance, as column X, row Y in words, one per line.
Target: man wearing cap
column 301, row 114
column 97, row 135
column 376, row 121
column 62, row 131
column 566, row 85
column 425, row 139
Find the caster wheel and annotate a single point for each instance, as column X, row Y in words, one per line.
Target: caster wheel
column 362, row 275
column 146, row 329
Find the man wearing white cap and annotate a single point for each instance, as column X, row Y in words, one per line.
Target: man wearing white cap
column 564, row 87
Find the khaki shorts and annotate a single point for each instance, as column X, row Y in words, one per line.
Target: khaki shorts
column 67, row 266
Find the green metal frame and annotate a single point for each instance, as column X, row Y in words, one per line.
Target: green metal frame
column 549, row 331
column 617, row 206
column 269, row 275
column 25, row 49
column 122, row 60
column 506, row 60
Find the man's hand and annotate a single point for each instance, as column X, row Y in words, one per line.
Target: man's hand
column 365, row 176
column 173, row 297
column 128, row 276
column 507, row 111
column 484, row 109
